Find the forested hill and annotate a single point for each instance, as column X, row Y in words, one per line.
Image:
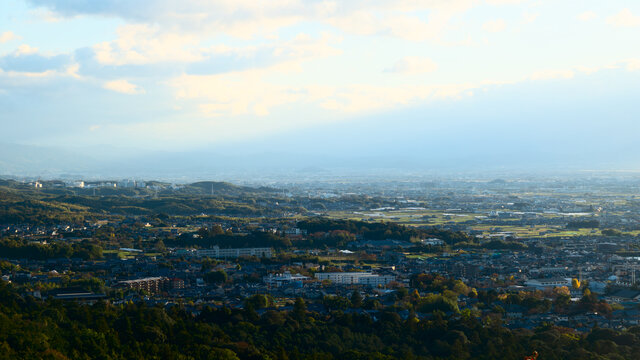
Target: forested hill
column 31, row 329
column 20, row 204
column 383, row 230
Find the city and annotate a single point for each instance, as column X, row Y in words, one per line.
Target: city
column 319, row 180
column 521, row 253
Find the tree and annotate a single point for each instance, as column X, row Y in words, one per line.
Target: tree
column 258, row 301
column 160, row 246
column 561, row 290
column 222, row 354
column 460, row 288
column 612, row 232
column 216, row 277
column 356, row 299
column 575, row 283
column 402, row 293
column 562, row 300
column 299, row 309
column 216, row 230
column 335, row 302
column 588, row 297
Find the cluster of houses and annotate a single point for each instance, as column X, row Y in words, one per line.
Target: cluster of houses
column 176, row 276
column 606, row 265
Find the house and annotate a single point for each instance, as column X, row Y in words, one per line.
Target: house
column 152, row 285
column 625, row 295
column 77, row 295
column 284, row 279
column 515, row 311
column 432, row 242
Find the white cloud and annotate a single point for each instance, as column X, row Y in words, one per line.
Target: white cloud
column 27, row 79
column 233, row 66
column 123, row 86
column 629, row 65
column 633, row 65
column 146, row 44
column 396, row 24
column 250, row 99
column 25, row 49
column 8, row 36
column 588, row 69
column 528, row 18
column 624, row 18
column 301, row 47
column 413, row 65
column 366, row 98
column 552, row 74
column 23, row 75
column 503, row 2
column 237, row 93
column 28, row 63
column 250, row 18
column 46, row 15
column 250, row 93
column 587, row 16
column 494, row 26
column 72, row 70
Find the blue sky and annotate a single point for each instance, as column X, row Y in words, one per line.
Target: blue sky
column 192, row 74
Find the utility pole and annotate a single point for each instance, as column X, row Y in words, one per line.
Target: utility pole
column 580, row 276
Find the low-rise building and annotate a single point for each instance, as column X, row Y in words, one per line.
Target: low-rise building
column 356, row 278
column 548, row 283
column 217, row 253
column 625, row 295
column 153, row 285
column 284, row 279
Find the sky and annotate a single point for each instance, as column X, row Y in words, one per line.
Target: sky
column 441, row 80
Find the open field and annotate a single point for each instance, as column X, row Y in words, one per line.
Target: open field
column 478, row 222
column 122, row 254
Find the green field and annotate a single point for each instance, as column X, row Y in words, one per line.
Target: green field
column 426, row 217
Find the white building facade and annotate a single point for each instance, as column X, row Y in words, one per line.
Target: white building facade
column 356, row 278
column 218, row 253
column 548, row 283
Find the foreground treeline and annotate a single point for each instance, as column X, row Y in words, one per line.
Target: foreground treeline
column 30, row 329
